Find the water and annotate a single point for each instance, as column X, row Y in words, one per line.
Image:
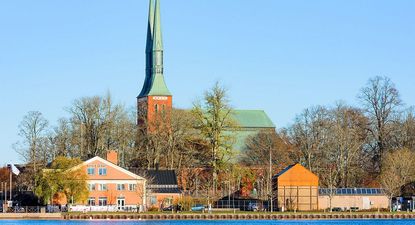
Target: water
column 233, row 222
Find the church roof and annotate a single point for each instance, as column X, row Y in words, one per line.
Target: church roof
column 252, row 119
column 158, row 86
column 154, row 83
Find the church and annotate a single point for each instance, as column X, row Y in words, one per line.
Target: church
column 155, row 96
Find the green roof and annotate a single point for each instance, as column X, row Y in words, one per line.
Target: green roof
column 252, row 119
column 158, row 86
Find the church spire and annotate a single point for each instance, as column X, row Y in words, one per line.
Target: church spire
column 149, row 50
column 154, row 84
column 158, row 85
column 157, row 40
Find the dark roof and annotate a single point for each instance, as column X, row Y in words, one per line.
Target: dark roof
column 165, row 190
column 161, row 177
column 352, row 191
column 160, row 181
column 285, row 170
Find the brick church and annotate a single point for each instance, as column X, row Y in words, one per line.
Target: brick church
column 156, row 98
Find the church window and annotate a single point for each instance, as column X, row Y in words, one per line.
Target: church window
column 156, row 108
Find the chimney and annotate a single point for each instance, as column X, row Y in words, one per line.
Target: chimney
column 112, row 156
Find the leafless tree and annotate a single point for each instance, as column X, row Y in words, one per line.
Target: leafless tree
column 381, row 102
column 309, row 135
column 346, row 141
column 398, row 169
column 32, row 130
column 99, row 125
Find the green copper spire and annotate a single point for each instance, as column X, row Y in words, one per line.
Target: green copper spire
column 149, row 50
column 158, row 86
column 154, row 83
column 157, row 38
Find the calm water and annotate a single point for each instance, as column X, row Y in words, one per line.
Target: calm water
column 328, row 222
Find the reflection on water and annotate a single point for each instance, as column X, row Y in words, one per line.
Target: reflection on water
column 235, row 222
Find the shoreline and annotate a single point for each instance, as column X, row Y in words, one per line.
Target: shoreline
column 219, row 216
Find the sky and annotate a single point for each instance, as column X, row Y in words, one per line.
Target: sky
column 279, row 56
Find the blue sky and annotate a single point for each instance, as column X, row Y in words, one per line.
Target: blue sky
column 280, row 56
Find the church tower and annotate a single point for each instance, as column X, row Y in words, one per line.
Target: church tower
column 155, row 99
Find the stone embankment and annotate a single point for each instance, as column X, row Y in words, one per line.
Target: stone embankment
column 235, row 216
column 31, row 216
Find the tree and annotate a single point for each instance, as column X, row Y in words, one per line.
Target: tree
column 309, row 134
column 259, row 146
column 346, row 140
column 64, row 176
column 99, row 125
column 381, row 102
column 403, row 130
column 213, row 118
column 398, row 169
column 32, row 130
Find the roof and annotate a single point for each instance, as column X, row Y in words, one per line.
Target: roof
column 161, row 181
column 252, row 119
column 352, row 191
column 296, row 175
column 154, row 83
column 162, row 177
column 158, row 86
column 285, row 170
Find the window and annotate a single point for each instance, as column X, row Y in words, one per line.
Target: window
column 91, row 201
column 102, row 171
column 91, row 171
column 103, row 187
column 120, row 187
column 91, row 187
column 163, row 108
column 132, row 187
column 102, row 201
column 156, row 108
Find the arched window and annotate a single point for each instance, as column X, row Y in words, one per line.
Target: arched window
column 156, row 108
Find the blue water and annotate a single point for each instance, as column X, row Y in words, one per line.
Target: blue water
column 234, row 222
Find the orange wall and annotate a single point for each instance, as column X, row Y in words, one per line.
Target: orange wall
column 298, row 176
column 148, row 106
column 131, row 197
column 112, row 178
column 112, row 173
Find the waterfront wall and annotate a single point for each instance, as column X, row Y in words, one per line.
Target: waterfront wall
column 237, row 216
column 31, row 216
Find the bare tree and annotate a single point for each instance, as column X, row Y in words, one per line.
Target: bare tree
column 99, row 125
column 398, row 169
column 345, row 148
column 259, row 146
column 309, row 134
column 381, row 102
column 32, row 130
column 403, row 130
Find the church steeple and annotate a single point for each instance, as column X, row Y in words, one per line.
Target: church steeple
column 158, row 39
column 155, row 84
column 155, row 98
column 149, row 50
